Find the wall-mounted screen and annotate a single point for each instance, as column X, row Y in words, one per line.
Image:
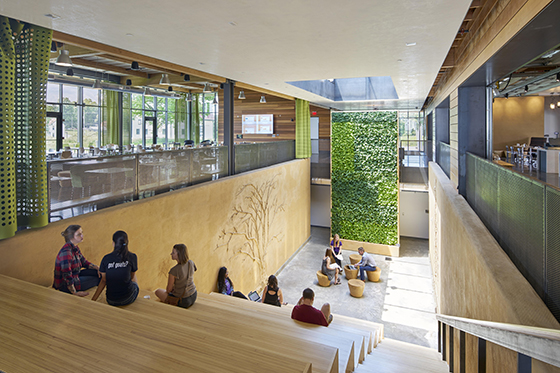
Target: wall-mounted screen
column 258, row 124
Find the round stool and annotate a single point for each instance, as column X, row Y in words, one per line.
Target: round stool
column 355, row 258
column 374, row 275
column 356, row 288
column 350, row 273
column 323, row 280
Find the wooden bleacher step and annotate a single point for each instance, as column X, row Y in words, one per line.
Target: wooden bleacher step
column 46, row 330
column 394, row 356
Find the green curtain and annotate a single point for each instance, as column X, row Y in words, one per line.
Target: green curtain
column 181, row 119
column 303, row 129
column 195, row 119
column 110, row 125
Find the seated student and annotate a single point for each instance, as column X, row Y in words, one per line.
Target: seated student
column 225, row 285
column 331, row 270
column 304, row 311
column 181, row 278
column 272, row 293
column 367, row 263
column 69, row 276
column 118, row 273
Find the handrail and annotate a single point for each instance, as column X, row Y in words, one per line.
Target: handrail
column 539, row 343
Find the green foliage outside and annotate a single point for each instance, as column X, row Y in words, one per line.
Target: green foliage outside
column 365, row 176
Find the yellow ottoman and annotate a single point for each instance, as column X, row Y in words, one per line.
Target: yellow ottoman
column 356, row 288
column 355, row 258
column 350, row 273
column 322, row 279
column 374, row 275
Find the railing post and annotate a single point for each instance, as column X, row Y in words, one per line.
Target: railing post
column 462, row 353
column 228, row 124
column 481, row 355
column 451, row 350
column 439, row 335
column 523, row 363
column 444, row 341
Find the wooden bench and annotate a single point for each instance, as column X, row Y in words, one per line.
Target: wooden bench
column 46, row 330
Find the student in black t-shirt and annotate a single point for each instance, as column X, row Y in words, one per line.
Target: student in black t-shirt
column 118, row 272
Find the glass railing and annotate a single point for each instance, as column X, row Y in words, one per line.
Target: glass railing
column 79, row 185
column 444, row 157
column 256, row 155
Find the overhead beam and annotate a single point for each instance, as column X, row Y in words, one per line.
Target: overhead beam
column 141, row 59
column 242, row 85
column 129, row 61
column 111, row 68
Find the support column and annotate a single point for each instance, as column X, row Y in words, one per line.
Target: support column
column 471, row 129
column 481, row 355
column 228, row 124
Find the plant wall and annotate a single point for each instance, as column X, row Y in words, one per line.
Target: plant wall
column 365, row 176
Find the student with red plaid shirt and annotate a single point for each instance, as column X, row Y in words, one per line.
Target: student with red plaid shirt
column 69, row 276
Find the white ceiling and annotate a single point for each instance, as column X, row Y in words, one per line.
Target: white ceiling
column 268, row 43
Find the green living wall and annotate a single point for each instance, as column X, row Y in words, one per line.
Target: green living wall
column 364, row 176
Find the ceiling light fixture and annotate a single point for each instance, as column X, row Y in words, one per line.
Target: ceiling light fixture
column 97, row 84
column 164, row 79
column 552, row 106
column 215, row 101
column 134, row 66
column 189, row 96
column 70, row 72
column 64, row 58
column 187, row 77
column 263, row 100
column 241, row 95
column 558, row 77
column 54, row 49
column 207, row 88
column 170, row 89
column 506, row 96
column 410, row 44
column 526, row 89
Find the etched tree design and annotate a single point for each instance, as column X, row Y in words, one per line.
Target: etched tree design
column 252, row 221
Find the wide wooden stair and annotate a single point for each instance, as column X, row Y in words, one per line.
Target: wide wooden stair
column 45, row 330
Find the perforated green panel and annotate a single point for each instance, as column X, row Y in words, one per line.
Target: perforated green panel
column 8, row 223
column 32, row 48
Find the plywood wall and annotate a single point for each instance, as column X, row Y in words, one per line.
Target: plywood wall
column 206, row 217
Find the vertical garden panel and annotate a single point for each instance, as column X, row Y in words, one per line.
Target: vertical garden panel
column 32, row 50
column 365, row 176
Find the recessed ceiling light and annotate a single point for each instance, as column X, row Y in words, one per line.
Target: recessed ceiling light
column 399, row 60
column 53, row 16
column 410, row 44
column 202, row 63
column 129, row 34
column 233, row 23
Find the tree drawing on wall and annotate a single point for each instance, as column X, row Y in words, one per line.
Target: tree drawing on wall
column 252, row 223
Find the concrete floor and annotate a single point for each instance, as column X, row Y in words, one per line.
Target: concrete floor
column 402, row 300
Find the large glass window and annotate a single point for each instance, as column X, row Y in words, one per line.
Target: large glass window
column 412, row 138
column 209, row 118
column 92, row 112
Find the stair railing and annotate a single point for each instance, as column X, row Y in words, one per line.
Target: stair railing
column 527, row 341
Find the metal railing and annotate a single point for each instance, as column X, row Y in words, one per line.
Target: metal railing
column 528, row 342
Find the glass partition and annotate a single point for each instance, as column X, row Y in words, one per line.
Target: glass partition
column 251, row 156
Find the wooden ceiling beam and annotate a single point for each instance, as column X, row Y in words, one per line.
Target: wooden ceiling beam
column 141, row 59
column 129, row 61
column 470, row 15
column 108, row 68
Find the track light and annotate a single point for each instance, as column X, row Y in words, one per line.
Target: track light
column 164, row 79
column 552, row 106
column 70, row 72
column 506, row 96
column 526, row 88
column 215, row 101
column 97, row 84
column 207, row 88
column 53, row 46
column 128, row 82
column 241, row 95
column 189, row 96
column 64, row 58
column 558, row 77
column 170, row 89
column 187, row 77
column 134, row 66
column 263, row 100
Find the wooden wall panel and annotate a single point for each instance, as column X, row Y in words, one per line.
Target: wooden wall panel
column 201, row 216
column 284, row 112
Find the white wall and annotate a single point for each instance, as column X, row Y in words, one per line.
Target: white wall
column 414, row 219
column 551, row 117
column 321, row 205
